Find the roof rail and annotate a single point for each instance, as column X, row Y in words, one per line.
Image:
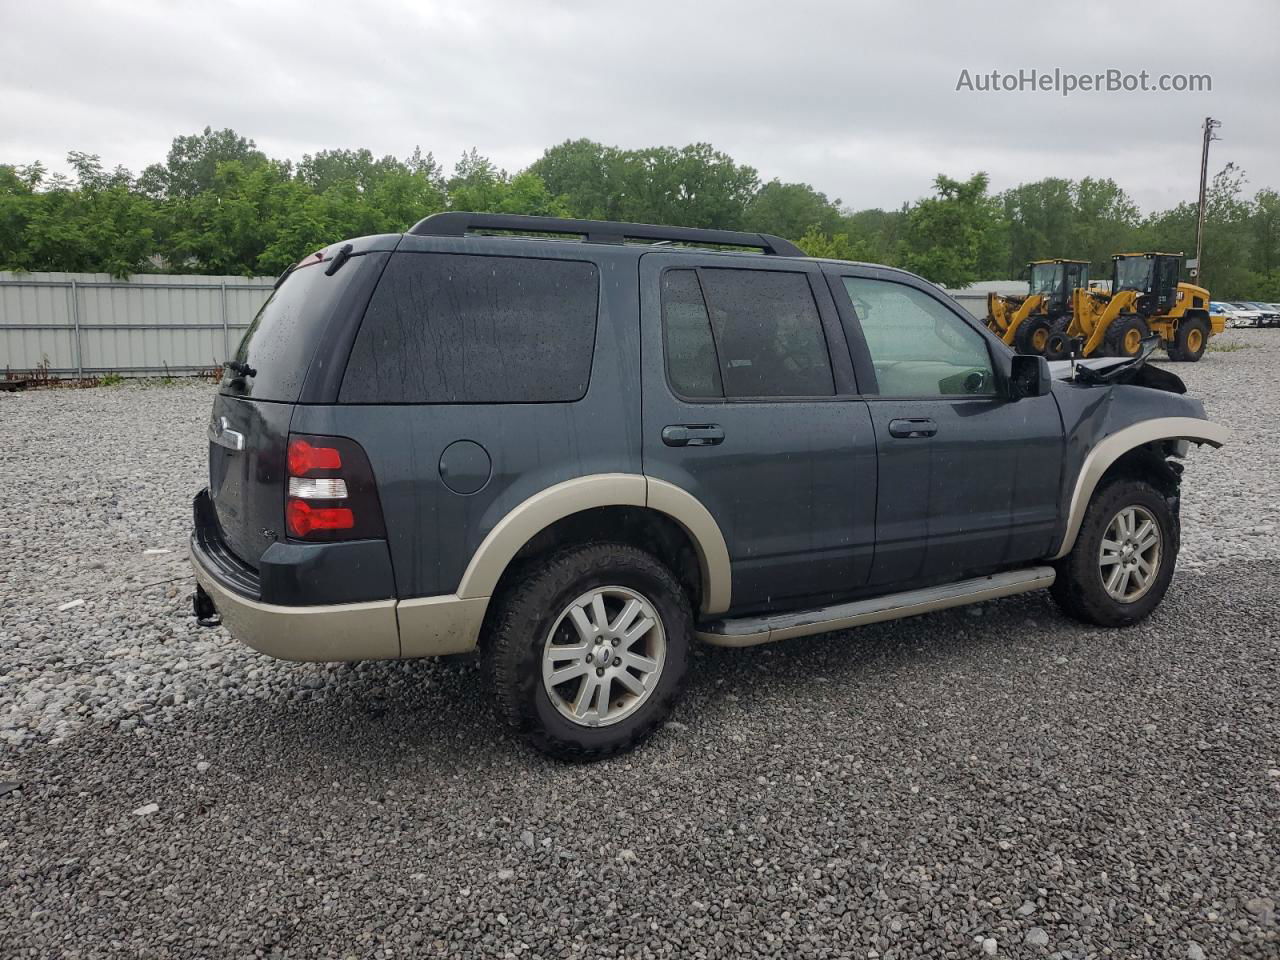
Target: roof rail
column 457, row 223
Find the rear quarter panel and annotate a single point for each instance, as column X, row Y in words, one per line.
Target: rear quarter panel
column 433, row 531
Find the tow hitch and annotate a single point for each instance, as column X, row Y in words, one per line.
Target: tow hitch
column 206, row 614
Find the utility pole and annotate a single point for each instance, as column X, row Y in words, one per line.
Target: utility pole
column 1210, row 125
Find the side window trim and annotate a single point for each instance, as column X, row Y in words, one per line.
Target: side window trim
column 863, row 358
column 844, row 377
column 859, row 352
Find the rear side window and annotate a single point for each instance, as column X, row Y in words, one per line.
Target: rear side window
column 450, row 328
column 744, row 334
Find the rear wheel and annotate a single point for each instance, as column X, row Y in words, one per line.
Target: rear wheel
column 1124, row 337
column 1189, row 340
column 1123, row 559
column 587, row 651
column 1033, row 335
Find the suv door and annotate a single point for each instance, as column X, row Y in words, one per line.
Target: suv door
column 749, row 403
column 968, row 480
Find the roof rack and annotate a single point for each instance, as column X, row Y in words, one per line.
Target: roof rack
column 457, row 223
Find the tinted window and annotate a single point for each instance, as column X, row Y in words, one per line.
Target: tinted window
column 767, row 335
column 919, row 348
column 691, row 352
column 283, row 337
column 445, row 328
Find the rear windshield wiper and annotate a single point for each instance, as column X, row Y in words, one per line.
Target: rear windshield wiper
column 339, row 258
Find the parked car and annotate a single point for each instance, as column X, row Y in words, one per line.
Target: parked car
column 1254, row 316
column 1236, row 316
column 1270, row 316
column 583, row 454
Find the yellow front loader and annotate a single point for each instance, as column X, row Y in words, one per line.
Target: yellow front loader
column 1028, row 323
column 1146, row 297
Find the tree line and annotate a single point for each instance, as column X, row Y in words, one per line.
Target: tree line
column 219, row 205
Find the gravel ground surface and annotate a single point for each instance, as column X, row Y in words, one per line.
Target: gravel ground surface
column 996, row 780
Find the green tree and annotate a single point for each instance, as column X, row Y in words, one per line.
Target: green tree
column 477, row 185
column 580, row 171
column 192, row 164
column 838, row 246
column 96, row 221
column 791, row 209
column 958, row 236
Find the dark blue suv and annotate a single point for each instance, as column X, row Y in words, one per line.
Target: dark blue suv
column 579, row 445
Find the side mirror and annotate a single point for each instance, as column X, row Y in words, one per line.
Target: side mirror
column 1029, row 376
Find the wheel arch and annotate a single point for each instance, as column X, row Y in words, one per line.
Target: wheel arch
column 1128, row 448
column 560, row 503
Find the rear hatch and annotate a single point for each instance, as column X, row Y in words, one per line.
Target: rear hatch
column 293, row 352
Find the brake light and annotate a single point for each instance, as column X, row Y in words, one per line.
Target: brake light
column 331, row 493
column 303, row 458
column 304, row 518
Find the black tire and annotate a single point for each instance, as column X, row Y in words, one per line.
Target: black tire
column 1079, row 588
column 1120, row 338
column 1189, row 340
column 1032, row 331
column 1059, row 345
column 522, row 621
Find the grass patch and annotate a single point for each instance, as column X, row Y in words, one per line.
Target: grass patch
column 1231, row 346
column 110, row 380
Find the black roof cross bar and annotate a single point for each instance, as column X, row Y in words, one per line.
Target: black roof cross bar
column 457, row 223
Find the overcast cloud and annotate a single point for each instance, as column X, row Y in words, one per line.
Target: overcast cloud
column 857, row 98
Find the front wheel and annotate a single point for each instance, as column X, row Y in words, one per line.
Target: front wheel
column 1189, row 340
column 588, row 650
column 1125, row 335
column 1123, row 559
column 1033, row 335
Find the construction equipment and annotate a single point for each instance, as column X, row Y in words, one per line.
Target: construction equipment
column 1146, row 298
column 1028, row 323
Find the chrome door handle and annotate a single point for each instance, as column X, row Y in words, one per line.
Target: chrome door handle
column 910, row 428
column 692, row 434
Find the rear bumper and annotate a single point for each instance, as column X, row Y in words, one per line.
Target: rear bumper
column 340, row 631
column 380, row 629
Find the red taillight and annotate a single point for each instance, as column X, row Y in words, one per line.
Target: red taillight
column 303, row 518
column 330, row 493
column 303, row 458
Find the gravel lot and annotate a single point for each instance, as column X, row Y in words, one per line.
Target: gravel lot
column 996, row 780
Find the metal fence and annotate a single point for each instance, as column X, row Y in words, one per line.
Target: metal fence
column 85, row 324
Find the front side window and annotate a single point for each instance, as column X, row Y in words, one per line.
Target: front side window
column 744, row 334
column 1046, row 278
column 918, row 347
column 453, row 328
column 1133, row 273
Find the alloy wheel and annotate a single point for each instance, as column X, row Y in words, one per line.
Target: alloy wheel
column 603, row 657
column 1129, row 557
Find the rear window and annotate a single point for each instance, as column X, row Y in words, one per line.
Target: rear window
column 282, row 338
column 744, row 334
column 454, row 328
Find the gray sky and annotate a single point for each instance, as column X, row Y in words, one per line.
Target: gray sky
column 857, row 98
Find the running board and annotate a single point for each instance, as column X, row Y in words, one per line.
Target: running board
column 749, row 631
